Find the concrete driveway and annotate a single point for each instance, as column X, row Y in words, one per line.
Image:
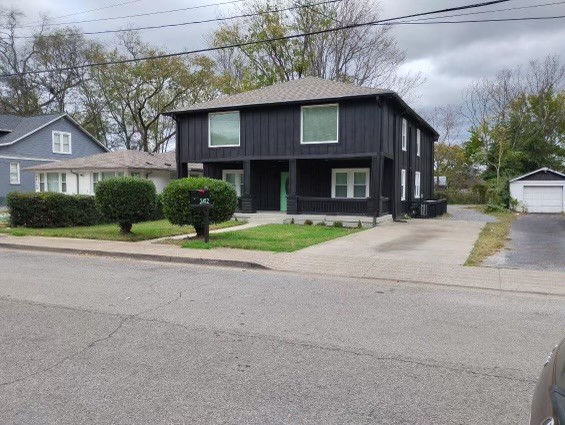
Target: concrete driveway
column 536, row 241
column 427, row 241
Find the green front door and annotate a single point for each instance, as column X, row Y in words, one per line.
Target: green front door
column 284, row 187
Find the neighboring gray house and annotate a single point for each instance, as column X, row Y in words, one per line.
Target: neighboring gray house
column 29, row 141
column 81, row 175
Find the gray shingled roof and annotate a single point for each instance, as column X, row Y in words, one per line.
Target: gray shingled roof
column 119, row 160
column 20, row 126
column 304, row 89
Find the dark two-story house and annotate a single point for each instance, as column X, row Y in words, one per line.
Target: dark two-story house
column 312, row 146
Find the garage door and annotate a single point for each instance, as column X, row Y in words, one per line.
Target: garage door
column 543, row 199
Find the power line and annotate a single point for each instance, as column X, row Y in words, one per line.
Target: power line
column 133, row 16
column 471, row 21
column 97, row 9
column 245, row 15
column 491, row 11
column 249, row 43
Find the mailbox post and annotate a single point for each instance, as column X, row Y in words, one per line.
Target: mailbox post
column 200, row 200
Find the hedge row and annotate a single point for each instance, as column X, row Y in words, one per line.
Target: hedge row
column 52, row 210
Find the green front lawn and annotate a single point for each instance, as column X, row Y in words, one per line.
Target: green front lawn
column 272, row 237
column 139, row 231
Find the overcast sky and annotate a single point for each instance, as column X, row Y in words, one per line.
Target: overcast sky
column 450, row 56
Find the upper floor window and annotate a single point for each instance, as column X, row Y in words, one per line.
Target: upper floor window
column 404, row 134
column 418, row 142
column 319, row 124
column 62, row 142
column 350, row 183
column 223, row 129
column 14, row 173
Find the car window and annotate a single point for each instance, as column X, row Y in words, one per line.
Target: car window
column 560, row 367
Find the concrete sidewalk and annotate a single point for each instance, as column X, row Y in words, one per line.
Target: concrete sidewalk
column 530, row 281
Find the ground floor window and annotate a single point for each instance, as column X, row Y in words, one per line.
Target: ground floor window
column 403, row 185
column 350, row 183
column 14, row 173
column 235, row 178
column 53, row 182
column 417, row 187
column 136, row 175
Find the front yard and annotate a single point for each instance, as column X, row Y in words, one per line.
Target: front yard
column 272, row 237
column 140, row 231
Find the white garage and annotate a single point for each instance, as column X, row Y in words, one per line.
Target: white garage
column 541, row 191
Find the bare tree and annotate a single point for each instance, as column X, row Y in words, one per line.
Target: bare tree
column 366, row 55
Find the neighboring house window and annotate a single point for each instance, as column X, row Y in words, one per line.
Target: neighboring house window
column 95, row 180
column 14, row 173
column 350, row 183
column 402, row 185
column 223, row 129
column 418, row 142
column 53, row 182
column 96, row 177
column 404, row 134
column 319, row 124
column 417, row 187
column 235, row 178
column 62, row 142
column 136, row 175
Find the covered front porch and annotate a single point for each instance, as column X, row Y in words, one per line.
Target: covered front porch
column 351, row 186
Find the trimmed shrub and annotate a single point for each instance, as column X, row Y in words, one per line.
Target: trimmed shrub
column 177, row 208
column 158, row 211
column 126, row 200
column 52, row 210
column 338, row 224
column 308, row 222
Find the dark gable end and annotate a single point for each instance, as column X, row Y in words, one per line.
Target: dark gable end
column 543, row 175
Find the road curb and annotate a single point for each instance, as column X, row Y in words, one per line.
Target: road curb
column 134, row 256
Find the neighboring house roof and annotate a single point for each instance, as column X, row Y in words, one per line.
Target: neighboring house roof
column 544, row 170
column 118, row 160
column 15, row 128
column 302, row 90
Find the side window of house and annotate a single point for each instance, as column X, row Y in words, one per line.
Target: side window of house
column 403, row 185
column 320, row 124
column 418, row 142
column 404, row 134
column 417, row 187
column 136, row 175
column 14, row 173
column 224, row 129
column 62, row 142
column 350, row 183
column 235, row 178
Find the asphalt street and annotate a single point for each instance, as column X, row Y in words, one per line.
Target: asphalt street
column 93, row 340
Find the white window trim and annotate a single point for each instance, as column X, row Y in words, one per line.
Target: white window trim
column 46, row 184
column 210, row 114
column 418, row 141
column 417, row 185
column 302, row 142
column 62, row 133
column 404, row 134
column 238, row 173
column 403, row 184
column 350, row 181
column 17, row 164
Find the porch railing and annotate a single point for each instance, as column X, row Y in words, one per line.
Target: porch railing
column 332, row 205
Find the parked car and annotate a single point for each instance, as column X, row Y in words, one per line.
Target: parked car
column 548, row 403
